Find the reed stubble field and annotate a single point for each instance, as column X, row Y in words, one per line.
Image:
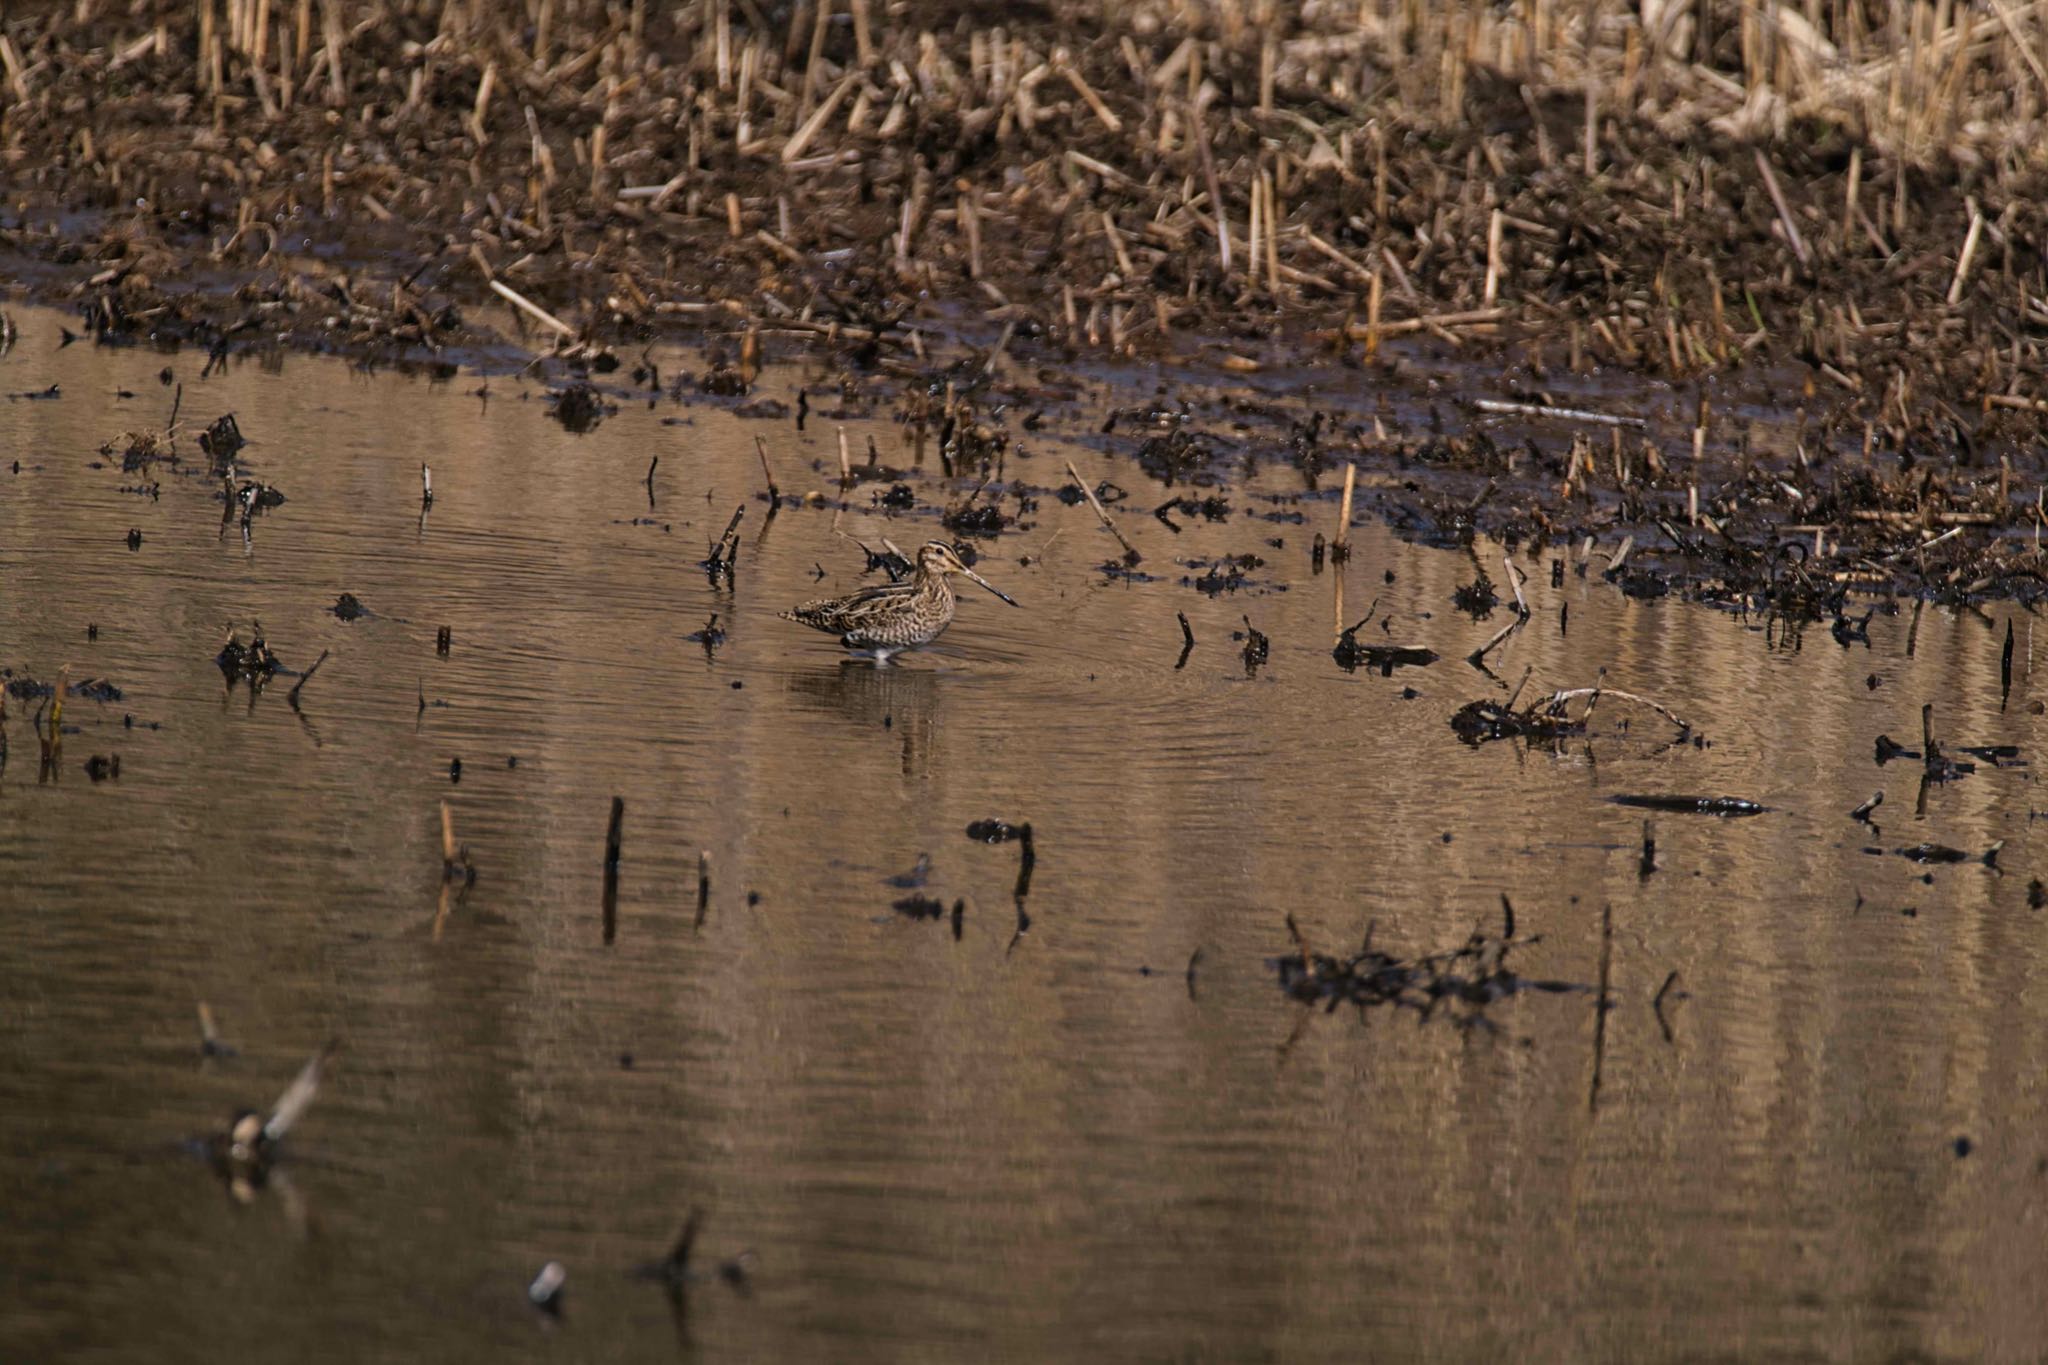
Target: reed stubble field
column 1828, row 212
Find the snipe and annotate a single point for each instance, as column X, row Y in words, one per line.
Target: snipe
column 894, row 617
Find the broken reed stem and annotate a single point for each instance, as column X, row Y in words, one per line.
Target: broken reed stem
column 1131, row 556
column 1969, row 254
column 703, row 885
column 1502, row 408
column 774, row 493
column 1849, row 195
column 1340, row 548
column 1470, row 317
column 1493, row 236
column 1515, row 576
column 1477, row 657
column 845, row 462
column 1215, row 189
column 448, row 869
column 1373, row 301
column 533, row 309
column 1792, row 236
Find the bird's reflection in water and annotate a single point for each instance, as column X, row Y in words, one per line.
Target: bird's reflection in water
column 903, row 700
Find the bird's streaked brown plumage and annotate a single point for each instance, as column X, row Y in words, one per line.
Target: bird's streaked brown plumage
column 893, row 617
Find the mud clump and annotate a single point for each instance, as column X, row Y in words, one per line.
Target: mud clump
column 578, row 408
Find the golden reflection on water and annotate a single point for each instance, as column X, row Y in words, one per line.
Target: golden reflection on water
column 1019, row 1147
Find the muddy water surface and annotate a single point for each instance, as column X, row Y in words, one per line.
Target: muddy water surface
column 1021, row 1146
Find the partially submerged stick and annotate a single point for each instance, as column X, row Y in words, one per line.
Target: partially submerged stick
column 293, row 696
column 1515, row 577
column 1131, row 556
column 1340, row 548
column 774, row 493
column 1572, row 694
column 612, row 836
column 703, row 885
column 531, row 308
column 1601, row 1005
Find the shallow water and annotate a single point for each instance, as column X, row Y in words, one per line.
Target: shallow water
column 1032, row 1147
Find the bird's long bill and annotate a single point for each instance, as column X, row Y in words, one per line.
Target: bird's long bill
column 986, row 584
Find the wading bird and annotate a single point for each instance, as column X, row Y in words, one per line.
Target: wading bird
column 893, row 617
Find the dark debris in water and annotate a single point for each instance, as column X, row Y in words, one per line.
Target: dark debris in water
column 25, row 688
column 222, row 439
column 1942, row 853
column 1257, row 648
column 1550, row 718
column 1350, row 654
column 252, row 661
column 1224, row 574
column 1463, row 980
column 1692, row 805
column 975, row 519
column 578, row 407
column 1477, row 599
column 922, row 907
column 1479, row 721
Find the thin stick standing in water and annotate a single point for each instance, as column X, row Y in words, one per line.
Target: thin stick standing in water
column 426, row 486
column 2005, row 669
column 1131, row 556
column 611, row 868
column 774, row 493
column 650, row 481
column 1600, row 1004
column 703, row 885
